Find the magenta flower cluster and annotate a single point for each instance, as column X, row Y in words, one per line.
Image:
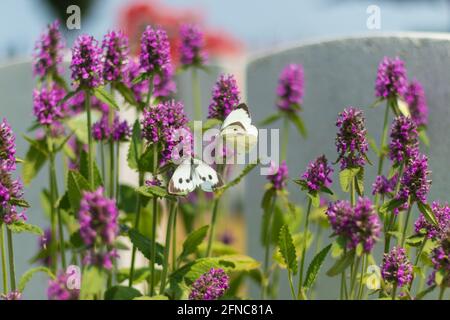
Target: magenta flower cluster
column 418, row 108
column 164, row 85
column 57, row 289
column 351, row 140
column 155, row 51
column 432, row 231
column 384, row 186
column 391, row 79
column 396, row 268
column 192, row 51
column 440, row 258
column 279, row 175
column 225, row 97
column 86, row 66
column 48, row 54
column 210, row 286
column 46, row 105
column 404, row 143
column 414, row 182
column 7, row 147
column 357, row 226
column 98, row 218
column 318, row 174
column 161, row 123
column 290, row 88
column 115, row 60
column 119, row 130
column 13, row 295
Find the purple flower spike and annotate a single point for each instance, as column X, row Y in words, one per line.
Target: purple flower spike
column 351, row 141
column 115, row 60
column 414, row 182
column 404, row 140
column 192, row 46
column 155, row 51
column 290, row 88
column 48, row 54
column 391, row 78
column 57, row 289
column 7, row 147
column 440, row 257
column 357, row 226
column 45, row 105
column 318, row 174
column 101, row 130
column 384, row 186
column 432, row 231
column 225, row 97
column 13, row 295
column 164, row 84
column 162, row 123
column 279, row 175
column 86, row 66
column 121, row 131
column 396, row 267
column 210, row 286
column 98, row 218
column 415, row 97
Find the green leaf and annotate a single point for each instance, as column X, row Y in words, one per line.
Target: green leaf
column 337, row 247
column 140, row 275
column 135, row 148
column 376, row 103
column 211, row 123
column 20, row 203
column 415, row 240
column 60, row 81
column 315, row 199
column 40, row 144
column 23, row 227
column 360, row 182
column 287, row 249
column 346, row 177
column 270, row 119
column 314, row 267
column 341, row 264
column 428, row 214
column 140, row 78
column 126, row 93
column 391, row 205
column 122, row 293
column 192, row 241
column 34, row 161
column 144, row 245
column 105, row 97
column 27, row 276
column 159, row 297
column 93, row 282
column 84, row 170
column 237, row 180
column 152, row 191
column 76, row 184
column 78, row 125
column 423, row 293
column 298, row 123
column 238, row 263
column 128, row 199
column 424, row 137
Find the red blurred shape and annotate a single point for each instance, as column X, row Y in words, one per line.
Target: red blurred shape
column 136, row 16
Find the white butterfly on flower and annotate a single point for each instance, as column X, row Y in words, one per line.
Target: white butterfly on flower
column 192, row 172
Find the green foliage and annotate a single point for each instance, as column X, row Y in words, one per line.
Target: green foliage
column 24, row 227
column 428, row 214
column 287, row 249
column 342, row 263
column 27, row 276
column 144, row 245
column 193, row 241
column 135, row 148
column 314, row 267
column 34, row 161
column 84, row 170
column 122, row 293
column 346, row 177
column 76, row 185
column 104, row 96
column 297, row 121
column 236, row 181
column 92, row 284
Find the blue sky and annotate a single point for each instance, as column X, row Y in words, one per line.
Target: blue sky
column 259, row 23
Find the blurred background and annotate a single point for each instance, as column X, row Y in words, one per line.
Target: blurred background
column 254, row 24
column 236, row 33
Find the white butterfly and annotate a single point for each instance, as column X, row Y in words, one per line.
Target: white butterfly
column 193, row 173
column 237, row 131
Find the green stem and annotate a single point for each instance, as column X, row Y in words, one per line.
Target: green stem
column 196, row 95
column 405, row 227
column 154, row 223
column 136, row 226
column 291, row 284
column 172, row 215
column 383, row 139
column 394, row 292
column 12, row 271
column 90, row 141
column 117, row 171
column 213, row 227
column 102, row 159
column 285, row 138
column 387, row 236
column 305, row 241
column 268, row 234
column 354, row 275
column 441, row 292
column 174, row 243
column 419, row 252
column 4, row 271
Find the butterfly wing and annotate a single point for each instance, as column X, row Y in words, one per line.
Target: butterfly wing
column 206, row 177
column 183, row 179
